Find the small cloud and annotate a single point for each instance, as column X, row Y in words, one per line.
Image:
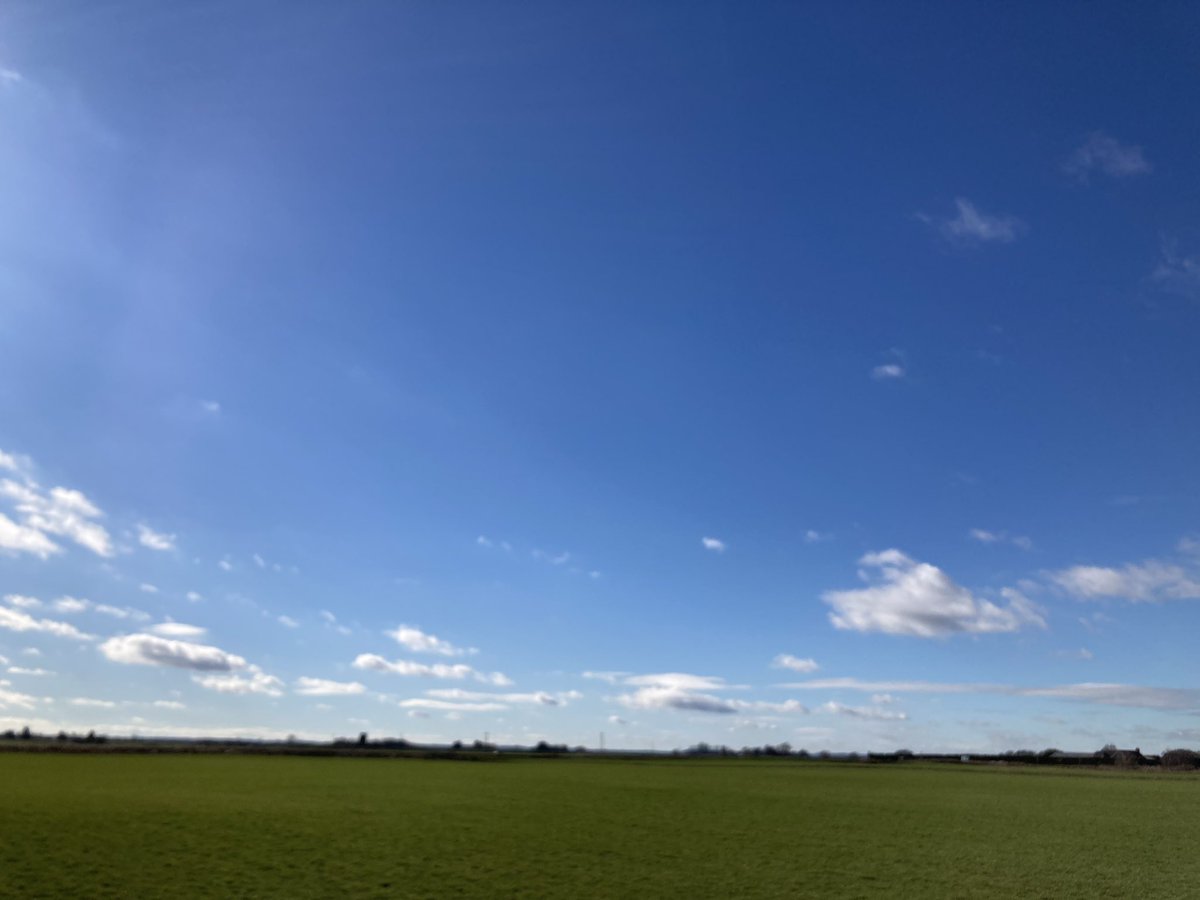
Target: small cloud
column 984, row 536
column 971, row 226
column 714, row 544
column 862, row 712
column 10, row 77
column 419, row 641
column 194, row 597
column 1105, row 154
column 1177, row 273
column 795, row 663
column 287, row 621
column 211, row 407
column 147, row 588
column 259, row 561
column 320, row 687
column 22, row 602
column 812, row 536
column 21, row 670
column 155, row 540
column 888, row 372
column 484, row 541
column 225, row 565
column 617, row 720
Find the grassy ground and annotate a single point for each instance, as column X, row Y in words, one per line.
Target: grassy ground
column 234, row 826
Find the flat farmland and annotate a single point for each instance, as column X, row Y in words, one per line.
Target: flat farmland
column 99, row 825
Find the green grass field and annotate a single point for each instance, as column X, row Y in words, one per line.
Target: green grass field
column 241, row 826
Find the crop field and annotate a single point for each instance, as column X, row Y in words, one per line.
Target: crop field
column 98, row 825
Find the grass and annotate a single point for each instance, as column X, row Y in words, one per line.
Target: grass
column 238, row 826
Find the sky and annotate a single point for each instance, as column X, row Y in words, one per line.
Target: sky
column 651, row 373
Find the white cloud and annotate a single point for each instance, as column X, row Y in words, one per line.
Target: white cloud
column 194, row 597
column 1148, row 582
column 320, row 687
column 10, row 699
column 714, row 544
column 617, row 720
column 888, row 371
column 863, row 712
column 14, row 620
column 558, row 559
column 31, row 651
column 19, row 600
column 178, row 630
column 537, row 698
column 168, row 704
column 675, row 698
column 812, row 536
column 459, row 671
column 22, row 670
column 225, row 565
column 259, row 561
column 1125, row 695
column 152, row 650
column 421, row 703
column 121, row 612
column 287, row 621
column 419, row 641
column 984, row 536
column 483, row 541
column 1101, row 153
column 795, row 663
column 89, row 702
column 1177, row 273
column 147, row 588
column 689, row 693
column 71, row 605
column 155, row 540
column 253, row 682
column 678, row 681
column 60, row 511
column 607, row 677
column 16, row 538
column 970, row 226
column 212, row 407
column 919, row 599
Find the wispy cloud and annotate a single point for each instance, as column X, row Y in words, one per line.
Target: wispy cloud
column 458, row 671
column 1104, row 694
column 971, row 226
column 58, row 512
column 16, row 620
column 178, row 630
column 419, row 641
column 983, row 536
column 321, row 687
column 888, row 372
column 863, row 712
column 155, row 540
column 716, row 545
column 1108, row 156
column 795, row 663
column 920, row 600
column 1176, row 272
column 1151, row 581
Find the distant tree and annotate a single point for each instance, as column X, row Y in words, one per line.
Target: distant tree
column 457, row 745
column 26, row 734
column 61, row 736
column 1180, row 759
column 362, row 739
column 91, row 737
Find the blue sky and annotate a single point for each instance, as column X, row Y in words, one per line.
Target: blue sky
column 808, row 373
